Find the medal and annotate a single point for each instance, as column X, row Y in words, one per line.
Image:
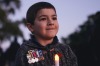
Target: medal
column 34, row 56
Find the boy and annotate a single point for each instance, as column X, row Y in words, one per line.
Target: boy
column 41, row 48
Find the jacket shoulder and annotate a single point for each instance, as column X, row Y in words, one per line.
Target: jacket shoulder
column 24, row 47
column 63, row 46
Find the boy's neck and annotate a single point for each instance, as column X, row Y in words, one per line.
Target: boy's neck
column 44, row 42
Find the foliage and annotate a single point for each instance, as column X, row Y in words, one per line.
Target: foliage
column 9, row 28
column 86, row 41
column 84, row 33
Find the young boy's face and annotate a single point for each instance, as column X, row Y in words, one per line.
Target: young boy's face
column 46, row 24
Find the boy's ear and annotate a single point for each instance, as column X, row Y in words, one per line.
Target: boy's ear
column 30, row 27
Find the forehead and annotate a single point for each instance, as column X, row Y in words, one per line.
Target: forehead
column 46, row 11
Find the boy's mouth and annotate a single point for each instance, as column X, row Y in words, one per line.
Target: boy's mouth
column 50, row 29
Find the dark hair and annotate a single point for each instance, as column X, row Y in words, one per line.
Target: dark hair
column 32, row 11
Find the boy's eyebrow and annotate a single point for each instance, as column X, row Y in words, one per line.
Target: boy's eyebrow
column 54, row 15
column 42, row 16
column 46, row 15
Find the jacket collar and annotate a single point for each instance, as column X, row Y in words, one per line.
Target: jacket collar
column 34, row 43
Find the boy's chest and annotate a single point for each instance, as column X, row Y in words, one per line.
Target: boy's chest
column 36, row 57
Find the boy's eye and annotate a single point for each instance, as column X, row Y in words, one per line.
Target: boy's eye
column 54, row 18
column 42, row 19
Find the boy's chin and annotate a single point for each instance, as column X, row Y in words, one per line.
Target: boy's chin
column 50, row 37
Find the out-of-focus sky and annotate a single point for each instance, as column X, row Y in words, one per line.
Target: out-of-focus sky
column 71, row 14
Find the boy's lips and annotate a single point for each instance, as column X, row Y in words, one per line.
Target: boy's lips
column 50, row 28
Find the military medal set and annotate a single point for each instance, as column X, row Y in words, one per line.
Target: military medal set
column 34, row 56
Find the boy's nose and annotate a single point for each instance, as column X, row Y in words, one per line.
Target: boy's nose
column 50, row 22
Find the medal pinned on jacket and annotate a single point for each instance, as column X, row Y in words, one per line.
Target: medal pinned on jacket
column 34, row 56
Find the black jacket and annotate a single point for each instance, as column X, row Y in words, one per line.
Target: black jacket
column 44, row 55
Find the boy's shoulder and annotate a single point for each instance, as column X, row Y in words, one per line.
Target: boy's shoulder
column 24, row 46
column 63, row 45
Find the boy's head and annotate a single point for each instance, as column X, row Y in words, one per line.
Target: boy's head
column 42, row 20
column 33, row 10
